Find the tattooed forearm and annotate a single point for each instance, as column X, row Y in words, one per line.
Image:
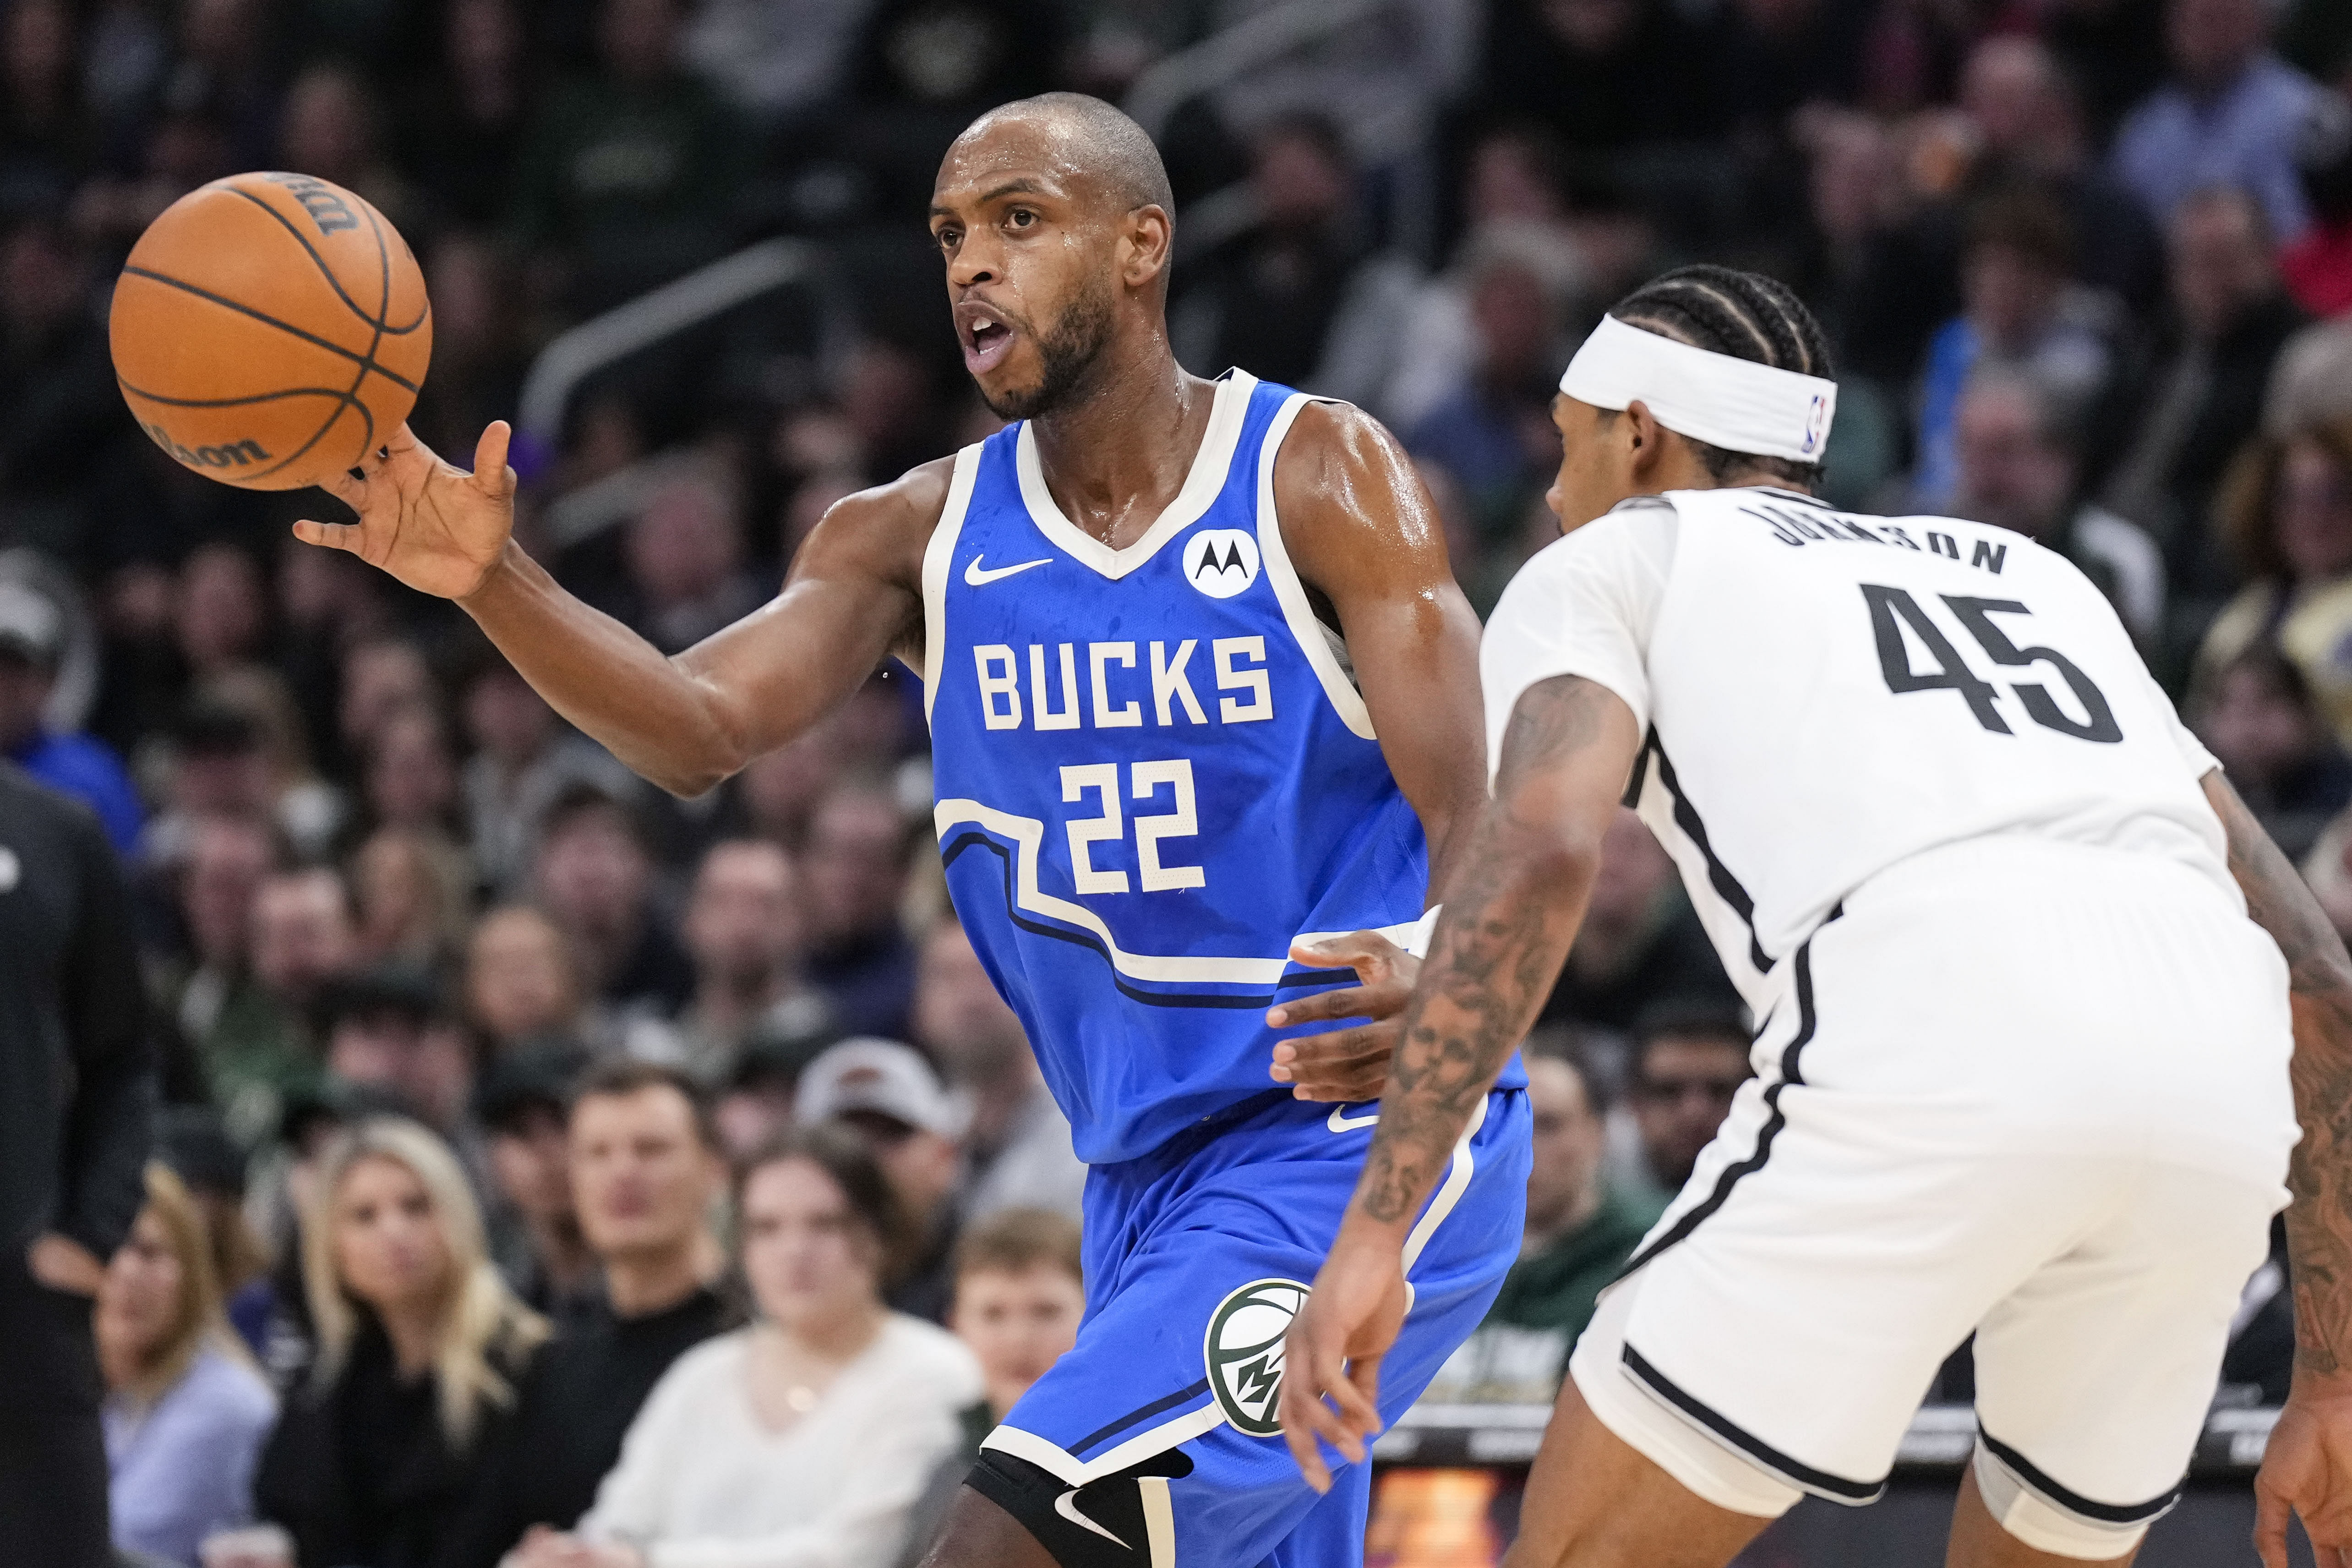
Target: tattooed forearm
column 1511, row 910
column 2319, row 1173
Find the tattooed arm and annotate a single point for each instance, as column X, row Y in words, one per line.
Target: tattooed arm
column 2308, row 1465
column 1512, row 908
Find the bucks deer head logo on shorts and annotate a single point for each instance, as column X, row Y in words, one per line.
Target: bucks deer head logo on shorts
column 1244, row 1351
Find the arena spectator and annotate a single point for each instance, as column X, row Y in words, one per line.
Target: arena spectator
column 385, row 1030
column 410, row 778
column 743, row 928
column 646, row 1170
column 521, row 1104
column 214, row 998
column 807, row 1436
column 222, row 610
column 186, row 1409
column 625, row 175
column 1298, row 298
column 1493, row 430
column 2022, row 309
column 2229, row 117
column 859, row 957
column 2203, row 392
column 594, row 870
column 1020, row 1294
column 420, row 1350
column 215, row 765
column 1016, row 1142
column 61, row 416
column 32, row 642
column 1640, row 941
column 2023, row 107
column 521, row 983
column 755, row 1104
column 2285, row 515
column 2020, row 468
column 2257, row 718
column 261, row 1048
column 381, row 678
column 464, row 129
column 1581, row 1229
column 890, row 1095
column 413, row 893
column 193, row 1142
column 329, row 125
column 1688, row 1062
column 685, row 552
column 524, row 757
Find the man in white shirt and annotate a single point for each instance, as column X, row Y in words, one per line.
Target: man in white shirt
column 2022, row 1057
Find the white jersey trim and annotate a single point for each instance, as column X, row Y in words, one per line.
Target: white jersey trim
column 1204, row 482
column 939, row 560
column 1313, row 638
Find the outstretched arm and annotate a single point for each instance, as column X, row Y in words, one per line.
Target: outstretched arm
column 2308, row 1465
column 1511, row 911
column 685, row 722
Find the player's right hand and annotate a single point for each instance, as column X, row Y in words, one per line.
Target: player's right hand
column 1331, row 1357
column 439, row 529
column 2307, row 1470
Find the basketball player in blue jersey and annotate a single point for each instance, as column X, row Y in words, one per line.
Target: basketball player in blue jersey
column 1202, row 694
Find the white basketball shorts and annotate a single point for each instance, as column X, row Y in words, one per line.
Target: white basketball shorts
column 2031, row 1091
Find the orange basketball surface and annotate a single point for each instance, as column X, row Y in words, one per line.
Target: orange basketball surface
column 269, row 330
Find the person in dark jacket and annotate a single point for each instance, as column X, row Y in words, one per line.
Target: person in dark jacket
column 421, row 1348
column 77, row 1098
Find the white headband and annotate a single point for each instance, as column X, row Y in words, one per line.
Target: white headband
column 1734, row 403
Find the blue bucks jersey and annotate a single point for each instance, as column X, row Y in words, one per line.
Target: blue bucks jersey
column 1153, row 771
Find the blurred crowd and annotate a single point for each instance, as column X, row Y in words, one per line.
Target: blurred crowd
column 503, row 1090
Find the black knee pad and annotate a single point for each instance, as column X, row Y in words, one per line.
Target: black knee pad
column 1106, row 1523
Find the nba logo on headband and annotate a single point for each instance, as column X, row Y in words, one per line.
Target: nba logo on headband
column 1734, row 403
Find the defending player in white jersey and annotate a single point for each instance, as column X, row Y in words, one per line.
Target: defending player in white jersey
column 2022, row 1056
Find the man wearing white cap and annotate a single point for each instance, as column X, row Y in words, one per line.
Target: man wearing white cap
column 2022, row 1055
column 890, row 1095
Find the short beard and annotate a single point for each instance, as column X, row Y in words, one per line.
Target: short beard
column 1069, row 352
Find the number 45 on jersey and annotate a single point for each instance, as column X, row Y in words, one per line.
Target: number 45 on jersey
column 1892, row 611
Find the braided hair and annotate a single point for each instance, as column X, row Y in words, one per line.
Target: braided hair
column 1747, row 316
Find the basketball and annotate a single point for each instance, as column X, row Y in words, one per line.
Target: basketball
column 269, row 330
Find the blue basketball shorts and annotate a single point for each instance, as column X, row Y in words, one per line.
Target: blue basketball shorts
column 1157, row 1434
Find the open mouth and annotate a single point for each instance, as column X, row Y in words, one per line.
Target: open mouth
column 986, row 339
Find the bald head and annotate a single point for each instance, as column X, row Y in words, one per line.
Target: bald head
column 1052, row 217
column 1096, row 143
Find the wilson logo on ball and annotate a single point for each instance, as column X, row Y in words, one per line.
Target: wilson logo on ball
column 1244, row 1352
column 235, row 455
column 321, row 200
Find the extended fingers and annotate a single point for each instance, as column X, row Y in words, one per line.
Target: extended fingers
column 328, row 535
column 1350, row 1065
column 1370, row 1001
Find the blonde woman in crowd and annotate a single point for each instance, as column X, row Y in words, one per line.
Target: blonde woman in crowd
column 2285, row 515
column 187, row 1410
column 804, row 1440
column 420, row 1347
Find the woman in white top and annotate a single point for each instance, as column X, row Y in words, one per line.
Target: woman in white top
column 804, row 1440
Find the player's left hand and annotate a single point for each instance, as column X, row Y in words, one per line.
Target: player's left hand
column 2307, row 1470
column 1350, row 1065
column 1331, row 1357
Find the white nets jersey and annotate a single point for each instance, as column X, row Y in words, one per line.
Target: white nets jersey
column 1825, row 695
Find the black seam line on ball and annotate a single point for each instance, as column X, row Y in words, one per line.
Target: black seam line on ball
column 227, row 402
column 267, row 318
column 379, row 320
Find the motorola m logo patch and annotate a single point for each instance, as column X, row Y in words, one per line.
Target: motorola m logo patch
column 1244, row 1352
column 1221, row 562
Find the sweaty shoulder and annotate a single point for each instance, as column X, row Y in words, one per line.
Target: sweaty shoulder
column 875, row 540
column 1349, row 503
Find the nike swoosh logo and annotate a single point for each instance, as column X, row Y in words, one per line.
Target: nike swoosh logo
column 981, row 577
column 1067, row 1505
column 1342, row 1122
